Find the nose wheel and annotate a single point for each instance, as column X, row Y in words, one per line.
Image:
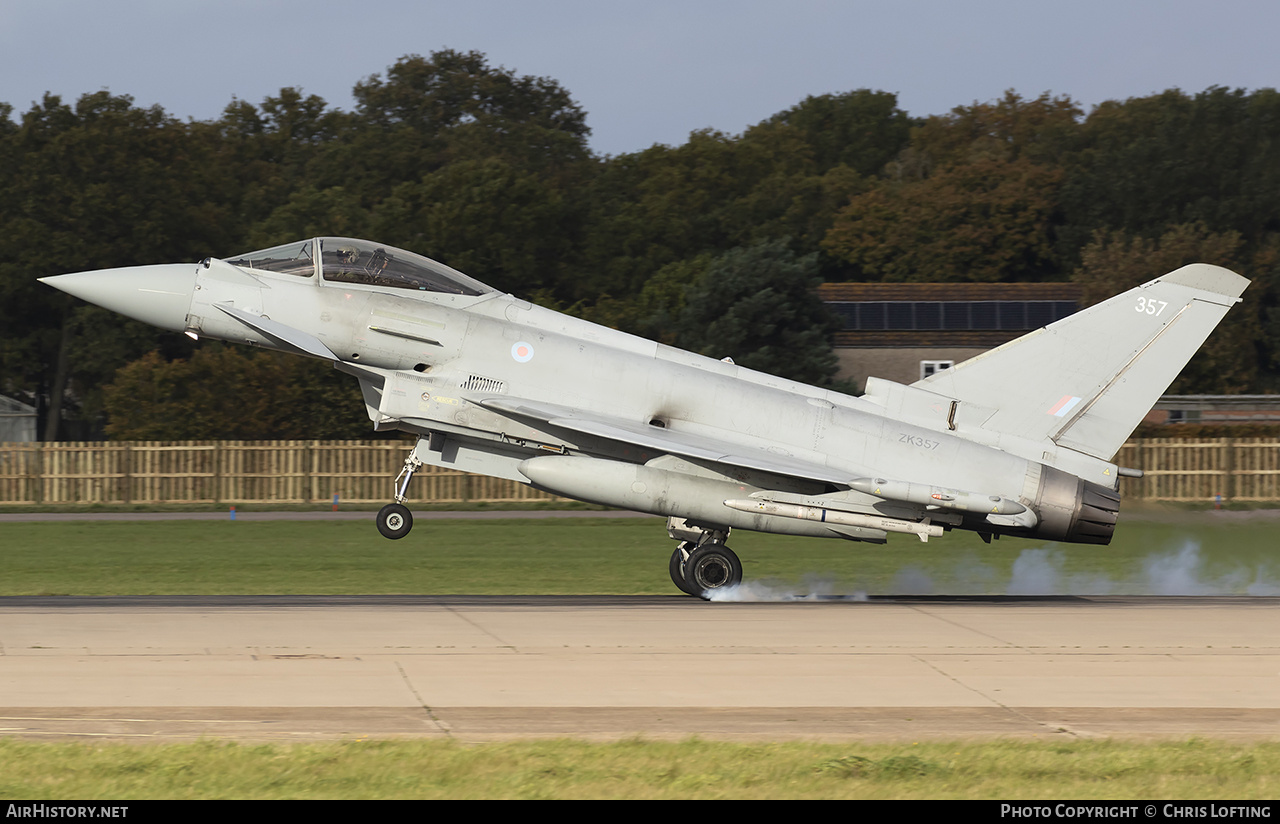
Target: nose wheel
column 395, row 521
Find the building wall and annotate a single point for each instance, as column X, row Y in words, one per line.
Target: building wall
column 896, row 364
column 17, row 421
column 887, row 329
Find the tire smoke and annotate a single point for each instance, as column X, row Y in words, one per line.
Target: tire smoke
column 1037, row 571
column 811, row 588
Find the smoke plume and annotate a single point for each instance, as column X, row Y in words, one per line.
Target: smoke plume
column 1038, row 571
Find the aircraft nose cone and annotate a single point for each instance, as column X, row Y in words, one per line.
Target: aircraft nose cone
column 158, row 295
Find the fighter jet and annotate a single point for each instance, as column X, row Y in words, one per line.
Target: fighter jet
column 1018, row 441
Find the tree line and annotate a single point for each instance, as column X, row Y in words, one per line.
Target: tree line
column 713, row 245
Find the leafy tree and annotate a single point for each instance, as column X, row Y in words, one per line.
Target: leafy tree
column 653, row 311
column 862, row 129
column 759, row 306
column 1114, row 262
column 451, row 88
column 309, row 212
column 1041, row 131
column 713, row 193
column 100, row 184
column 453, row 106
column 272, row 151
column 654, row 207
column 234, row 393
column 502, row 224
column 984, row 220
column 489, row 171
column 470, row 164
column 972, row 198
column 1173, row 158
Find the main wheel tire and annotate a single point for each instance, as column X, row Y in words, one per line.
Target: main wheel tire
column 712, row 568
column 395, row 521
column 677, row 567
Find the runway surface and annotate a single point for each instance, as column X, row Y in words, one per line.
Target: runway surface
column 474, row 668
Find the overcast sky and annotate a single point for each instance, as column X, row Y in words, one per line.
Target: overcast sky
column 645, row 71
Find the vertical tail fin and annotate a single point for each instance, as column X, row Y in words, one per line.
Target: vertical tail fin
column 1086, row 381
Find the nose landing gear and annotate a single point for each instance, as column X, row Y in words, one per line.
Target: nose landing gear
column 395, row 520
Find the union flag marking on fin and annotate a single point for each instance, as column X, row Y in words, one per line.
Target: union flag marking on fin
column 1062, row 407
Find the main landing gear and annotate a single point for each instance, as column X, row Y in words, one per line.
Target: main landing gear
column 702, row 564
column 395, row 520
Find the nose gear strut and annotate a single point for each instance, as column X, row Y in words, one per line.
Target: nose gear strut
column 395, row 520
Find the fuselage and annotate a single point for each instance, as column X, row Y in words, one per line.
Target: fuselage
column 495, row 345
column 439, row 353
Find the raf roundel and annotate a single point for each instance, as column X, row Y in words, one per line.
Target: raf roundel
column 522, row 352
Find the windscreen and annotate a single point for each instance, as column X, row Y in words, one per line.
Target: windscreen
column 290, row 259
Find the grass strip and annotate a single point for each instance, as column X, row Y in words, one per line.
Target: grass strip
column 641, row 769
column 604, row 556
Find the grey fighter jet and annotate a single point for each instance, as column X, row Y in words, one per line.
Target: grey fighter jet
column 1017, row 441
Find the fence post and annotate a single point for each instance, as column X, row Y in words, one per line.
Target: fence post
column 217, row 472
column 307, row 488
column 126, row 473
column 1230, row 466
column 38, row 469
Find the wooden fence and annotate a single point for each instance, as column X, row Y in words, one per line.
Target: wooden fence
column 1238, row 469
column 232, row 472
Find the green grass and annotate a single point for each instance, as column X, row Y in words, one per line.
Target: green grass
column 640, row 769
column 587, row 556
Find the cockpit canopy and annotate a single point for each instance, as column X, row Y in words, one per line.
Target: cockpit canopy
column 349, row 260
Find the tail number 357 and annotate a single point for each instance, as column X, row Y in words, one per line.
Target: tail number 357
column 1151, row 306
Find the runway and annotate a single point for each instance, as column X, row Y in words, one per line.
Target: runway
column 476, row 668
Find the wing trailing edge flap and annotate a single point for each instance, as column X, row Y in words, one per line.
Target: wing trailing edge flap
column 1086, row 381
column 665, row 440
